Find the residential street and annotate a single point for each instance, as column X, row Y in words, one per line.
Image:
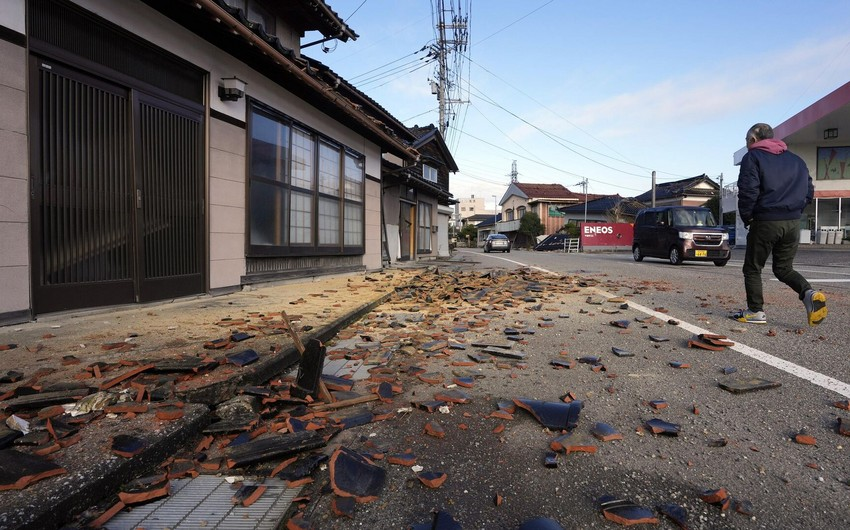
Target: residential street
column 562, row 307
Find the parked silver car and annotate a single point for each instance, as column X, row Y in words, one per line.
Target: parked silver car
column 497, row 242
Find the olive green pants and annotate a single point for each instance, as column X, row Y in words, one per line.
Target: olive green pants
column 780, row 238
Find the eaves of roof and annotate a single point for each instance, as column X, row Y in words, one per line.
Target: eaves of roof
column 408, row 176
column 228, row 29
column 325, row 19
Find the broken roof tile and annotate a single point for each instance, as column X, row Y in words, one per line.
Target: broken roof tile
column 343, row 506
column 144, row 489
column 454, row 395
column 605, row 432
column 432, row 479
column 625, row 512
column 677, row 514
column 718, row 497
column 428, row 405
column 692, row 343
column 621, row 353
column 658, row 404
column 554, row 415
column 573, row 443
column 354, row 475
column 740, row 385
column 433, row 428
column 243, row 358
column 18, row 470
column 803, row 438
column 659, row 426
column 432, row 378
column 127, row 445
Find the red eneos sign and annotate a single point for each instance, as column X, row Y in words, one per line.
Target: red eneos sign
column 606, row 234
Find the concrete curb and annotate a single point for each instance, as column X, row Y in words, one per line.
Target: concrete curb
column 48, row 503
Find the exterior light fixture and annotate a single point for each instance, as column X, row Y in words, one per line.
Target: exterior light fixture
column 830, row 134
column 231, row 89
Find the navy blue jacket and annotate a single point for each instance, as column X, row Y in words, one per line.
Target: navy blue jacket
column 773, row 187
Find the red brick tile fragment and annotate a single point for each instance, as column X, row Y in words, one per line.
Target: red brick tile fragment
column 452, row 396
column 843, row 426
column 126, row 408
column 104, row 518
column 402, row 459
column 498, row 500
column 805, row 439
column 145, row 495
column 658, row 404
column 499, row 428
column 844, row 405
column 169, row 413
column 714, row 496
column 123, row 377
column 432, row 378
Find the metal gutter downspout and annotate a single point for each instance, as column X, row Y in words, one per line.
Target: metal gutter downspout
column 341, row 103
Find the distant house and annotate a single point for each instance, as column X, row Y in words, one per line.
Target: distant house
column 694, row 191
column 542, row 199
column 416, row 200
column 607, row 209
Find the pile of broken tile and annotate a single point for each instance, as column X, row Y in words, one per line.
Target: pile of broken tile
column 409, row 357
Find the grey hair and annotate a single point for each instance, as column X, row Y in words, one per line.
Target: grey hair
column 760, row 131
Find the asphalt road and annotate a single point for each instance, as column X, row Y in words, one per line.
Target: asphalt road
column 790, row 485
column 743, row 442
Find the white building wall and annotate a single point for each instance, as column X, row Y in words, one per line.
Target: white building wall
column 14, row 171
column 226, row 157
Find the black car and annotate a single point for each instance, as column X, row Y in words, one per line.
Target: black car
column 680, row 233
column 497, row 242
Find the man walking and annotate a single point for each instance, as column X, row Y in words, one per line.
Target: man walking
column 774, row 186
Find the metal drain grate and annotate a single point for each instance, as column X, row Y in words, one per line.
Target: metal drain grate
column 204, row 503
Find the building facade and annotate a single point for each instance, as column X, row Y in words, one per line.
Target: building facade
column 152, row 149
column 819, row 134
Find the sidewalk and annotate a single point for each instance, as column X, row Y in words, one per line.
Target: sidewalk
column 62, row 357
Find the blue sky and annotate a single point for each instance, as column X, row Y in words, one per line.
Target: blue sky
column 606, row 90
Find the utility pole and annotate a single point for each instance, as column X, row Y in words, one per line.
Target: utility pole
column 583, row 184
column 452, row 37
column 720, row 201
column 653, row 189
column 514, row 174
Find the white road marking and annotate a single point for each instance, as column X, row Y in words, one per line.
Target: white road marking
column 796, row 370
column 823, row 280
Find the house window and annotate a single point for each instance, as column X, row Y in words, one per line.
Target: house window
column 429, row 173
column 520, row 212
column 306, row 193
column 509, row 215
column 255, row 12
column 423, row 235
